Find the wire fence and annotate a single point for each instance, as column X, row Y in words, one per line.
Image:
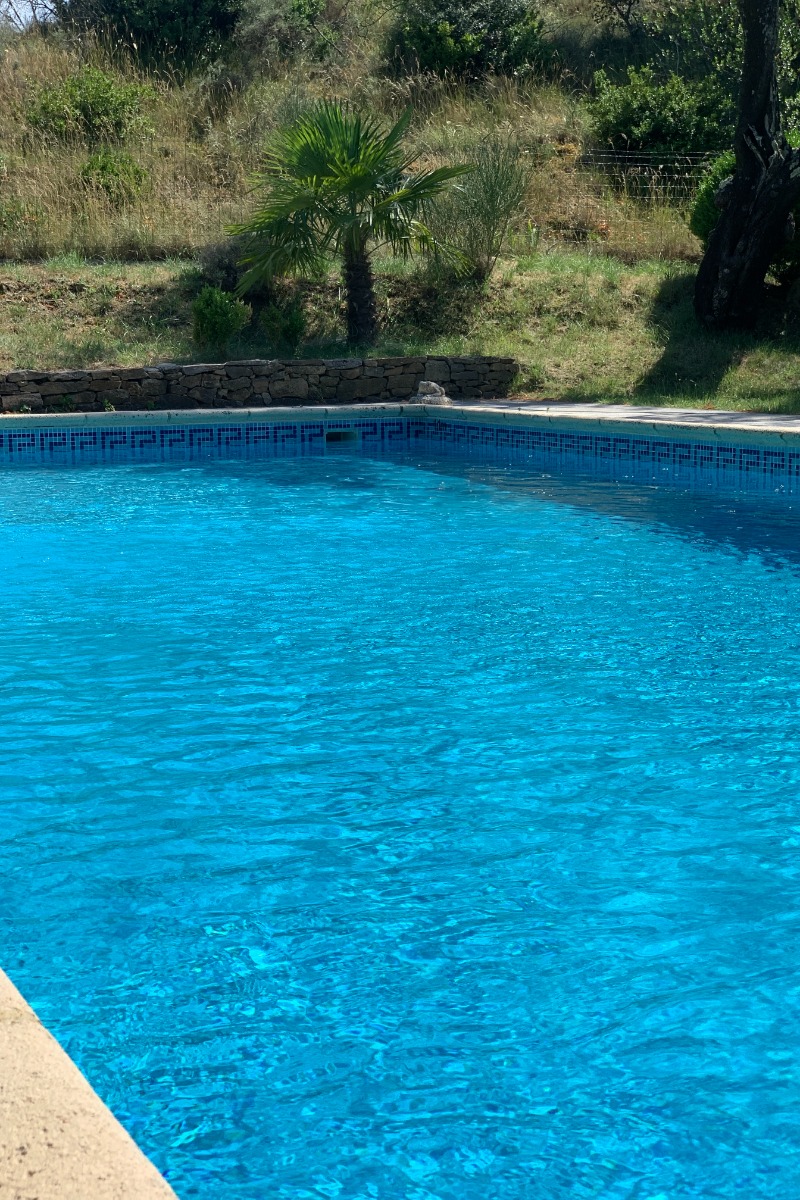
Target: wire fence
column 656, row 167
column 634, row 204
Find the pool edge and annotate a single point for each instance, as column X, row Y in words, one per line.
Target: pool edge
column 58, row 1140
column 695, row 424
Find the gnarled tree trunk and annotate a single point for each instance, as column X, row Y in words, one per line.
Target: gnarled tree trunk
column 764, row 190
column 362, row 314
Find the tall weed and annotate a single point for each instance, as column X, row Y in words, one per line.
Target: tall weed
column 474, row 216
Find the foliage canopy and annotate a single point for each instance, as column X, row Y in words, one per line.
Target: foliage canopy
column 684, row 98
column 673, row 117
column 467, row 38
column 269, row 31
column 179, row 32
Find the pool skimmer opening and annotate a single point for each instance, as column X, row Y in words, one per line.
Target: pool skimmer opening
column 341, row 437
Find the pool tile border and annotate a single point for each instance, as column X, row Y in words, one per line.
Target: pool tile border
column 599, row 441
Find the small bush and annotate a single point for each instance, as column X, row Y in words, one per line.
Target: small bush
column 115, row 173
column 218, row 265
column 89, row 106
column 473, row 217
column 285, row 29
column 218, row 318
column 284, row 326
column 467, row 38
column 672, row 117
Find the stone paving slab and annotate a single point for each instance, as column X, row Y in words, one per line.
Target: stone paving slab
column 58, row 1141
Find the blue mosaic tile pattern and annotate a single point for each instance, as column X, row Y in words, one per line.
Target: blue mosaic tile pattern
column 623, row 455
column 181, row 442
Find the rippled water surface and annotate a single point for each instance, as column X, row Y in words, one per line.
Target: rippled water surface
column 395, row 830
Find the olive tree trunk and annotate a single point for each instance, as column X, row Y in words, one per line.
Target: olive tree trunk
column 765, row 188
column 362, row 312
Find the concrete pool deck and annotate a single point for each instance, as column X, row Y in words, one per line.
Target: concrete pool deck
column 58, row 1141
column 694, row 418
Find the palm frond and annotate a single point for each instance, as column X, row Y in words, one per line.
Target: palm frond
column 333, row 182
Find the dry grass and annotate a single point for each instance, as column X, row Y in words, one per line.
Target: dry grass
column 195, row 186
column 206, row 140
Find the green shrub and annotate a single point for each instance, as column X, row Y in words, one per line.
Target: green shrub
column 472, row 219
column 705, row 214
column 285, row 29
column 467, row 38
column 115, row 173
column 179, row 32
column 218, row 318
column 702, row 39
column 284, row 326
column 89, row 106
column 673, row 117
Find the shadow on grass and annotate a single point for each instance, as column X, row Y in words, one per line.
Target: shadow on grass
column 422, row 308
column 694, row 363
column 413, row 311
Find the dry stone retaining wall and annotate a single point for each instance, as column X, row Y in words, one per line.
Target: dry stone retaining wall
column 255, row 383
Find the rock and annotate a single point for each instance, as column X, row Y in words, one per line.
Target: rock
column 429, row 392
column 27, row 402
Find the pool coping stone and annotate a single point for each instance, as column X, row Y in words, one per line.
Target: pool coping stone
column 58, row 1141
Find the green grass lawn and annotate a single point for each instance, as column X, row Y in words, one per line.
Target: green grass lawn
column 582, row 327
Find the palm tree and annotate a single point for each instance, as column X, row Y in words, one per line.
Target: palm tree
column 335, row 183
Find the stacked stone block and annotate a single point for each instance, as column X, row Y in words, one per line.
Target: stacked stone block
column 256, row 383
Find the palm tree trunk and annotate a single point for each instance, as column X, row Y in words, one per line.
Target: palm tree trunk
column 362, row 313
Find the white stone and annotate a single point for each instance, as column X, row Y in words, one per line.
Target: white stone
column 432, row 393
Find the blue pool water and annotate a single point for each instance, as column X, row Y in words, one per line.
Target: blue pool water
column 393, row 829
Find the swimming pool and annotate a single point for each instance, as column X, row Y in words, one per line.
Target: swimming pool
column 409, row 827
